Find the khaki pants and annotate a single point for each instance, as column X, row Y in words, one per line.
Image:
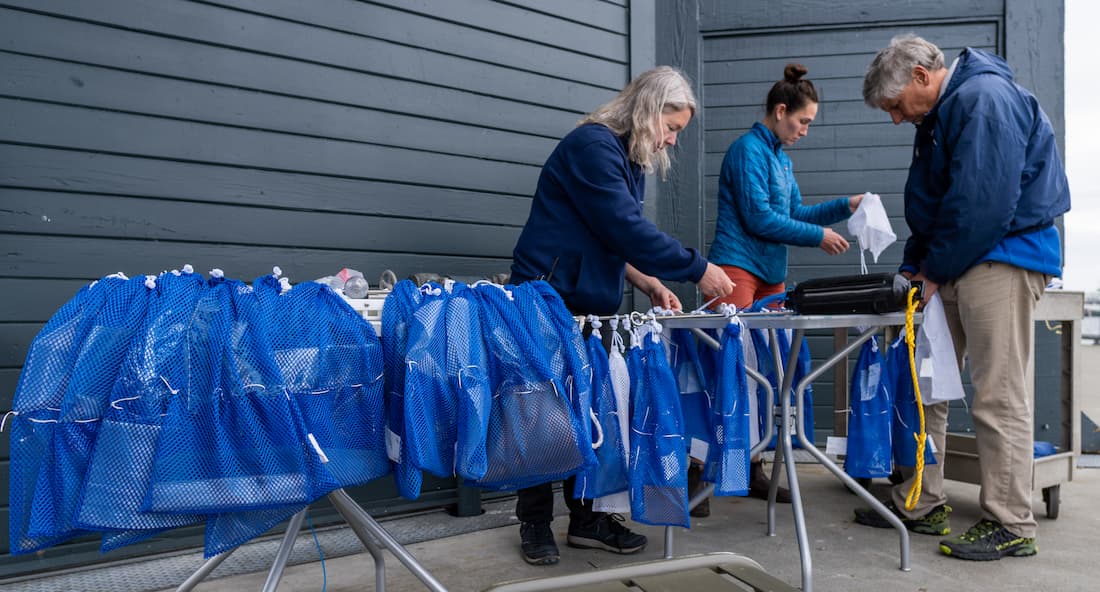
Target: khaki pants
column 990, row 314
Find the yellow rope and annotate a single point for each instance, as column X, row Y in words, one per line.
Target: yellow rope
column 922, row 437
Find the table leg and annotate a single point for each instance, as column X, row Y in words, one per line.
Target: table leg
column 800, row 432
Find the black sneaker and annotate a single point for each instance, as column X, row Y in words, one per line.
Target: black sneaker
column 607, row 533
column 538, row 543
column 986, row 541
column 936, row 521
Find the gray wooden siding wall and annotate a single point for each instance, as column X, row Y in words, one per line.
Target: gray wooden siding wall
column 243, row 134
column 738, row 49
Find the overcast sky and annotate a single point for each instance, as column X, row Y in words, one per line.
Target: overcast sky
column 1082, row 270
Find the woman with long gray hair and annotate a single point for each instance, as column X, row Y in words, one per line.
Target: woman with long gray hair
column 586, row 235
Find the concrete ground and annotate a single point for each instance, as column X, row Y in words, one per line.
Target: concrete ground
column 846, row 556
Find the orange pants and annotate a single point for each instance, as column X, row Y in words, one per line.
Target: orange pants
column 749, row 288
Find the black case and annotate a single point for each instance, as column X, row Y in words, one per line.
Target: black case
column 874, row 293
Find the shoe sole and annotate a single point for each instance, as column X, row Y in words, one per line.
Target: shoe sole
column 549, row 560
column 583, row 543
column 876, row 521
column 991, row 556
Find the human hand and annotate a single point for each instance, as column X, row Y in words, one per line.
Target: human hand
column 927, row 291
column 660, row 295
column 854, row 201
column 832, row 243
column 715, row 282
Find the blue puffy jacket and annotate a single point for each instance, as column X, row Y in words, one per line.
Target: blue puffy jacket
column 586, row 224
column 986, row 181
column 760, row 208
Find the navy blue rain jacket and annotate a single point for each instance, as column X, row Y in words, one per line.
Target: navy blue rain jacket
column 586, row 224
column 985, row 167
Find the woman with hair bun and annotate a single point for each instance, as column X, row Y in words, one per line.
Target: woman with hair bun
column 760, row 212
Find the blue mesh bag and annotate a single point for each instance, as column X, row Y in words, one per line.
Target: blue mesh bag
column 610, row 473
column 549, row 312
column 91, row 379
column 658, row 472
column 696, row 399
column 37, row 402
column 766, row 366
column 234, row 443
column 431, row 405
column 906, row 417
column 397, row 314
column 331, row 361
column 871, row 417
column 467, row 360
column 154, row 370
column 534, row 436
column 728, row 459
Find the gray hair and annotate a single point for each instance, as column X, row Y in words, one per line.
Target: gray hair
column 637, row 111
column 892, row 67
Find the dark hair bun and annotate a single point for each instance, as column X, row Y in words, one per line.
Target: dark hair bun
column 794, row 72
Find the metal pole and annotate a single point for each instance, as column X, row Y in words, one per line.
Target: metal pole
column 285, row 547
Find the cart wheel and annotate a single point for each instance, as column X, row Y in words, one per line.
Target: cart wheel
column 1051, row 496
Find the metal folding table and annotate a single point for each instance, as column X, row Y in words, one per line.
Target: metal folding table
column 785, row 416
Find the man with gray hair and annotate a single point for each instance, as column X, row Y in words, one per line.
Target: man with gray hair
column 985, row 186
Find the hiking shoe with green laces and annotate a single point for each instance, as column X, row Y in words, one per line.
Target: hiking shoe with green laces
column 987, row 541
column 934, row 522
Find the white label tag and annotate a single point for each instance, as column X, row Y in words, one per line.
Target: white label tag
column 393, row 446
column 317, row 447
column 699, row 449
column 836, row 445
column 931, row 444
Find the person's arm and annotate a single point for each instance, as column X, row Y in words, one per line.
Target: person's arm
column 659, row 294
column 596, row 182
column 747, row 171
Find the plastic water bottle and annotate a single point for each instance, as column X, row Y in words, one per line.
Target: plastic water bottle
column 356, row 287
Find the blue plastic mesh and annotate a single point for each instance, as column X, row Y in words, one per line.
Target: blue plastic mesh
column 906, row 417
column 729, row 456
column 331, row 361
column 397, row 314
column 233, row 443
column 869, row 422
column 431, row 406
column 466, row 367
column 37, row 402
column 566, row 341
column 154, row 371
column 658, row 473
column 610, row 473
column 766, row 366
column 92, row 376
column 533, row 434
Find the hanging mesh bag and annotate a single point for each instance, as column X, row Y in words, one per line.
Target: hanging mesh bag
column 467, row 361
column 60, row 481
column 397, row 314
column 533, row 434
column 234, row 443
column 906, row 416
column 431, row 406
column 658, row 472
column 609, row 476
column 871, row 416
column 331, row 361
column 37, row 402
column 619, row 378
column 154, row 371
column 728, row 458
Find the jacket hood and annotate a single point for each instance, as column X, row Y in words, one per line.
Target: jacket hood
column 974, row 62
